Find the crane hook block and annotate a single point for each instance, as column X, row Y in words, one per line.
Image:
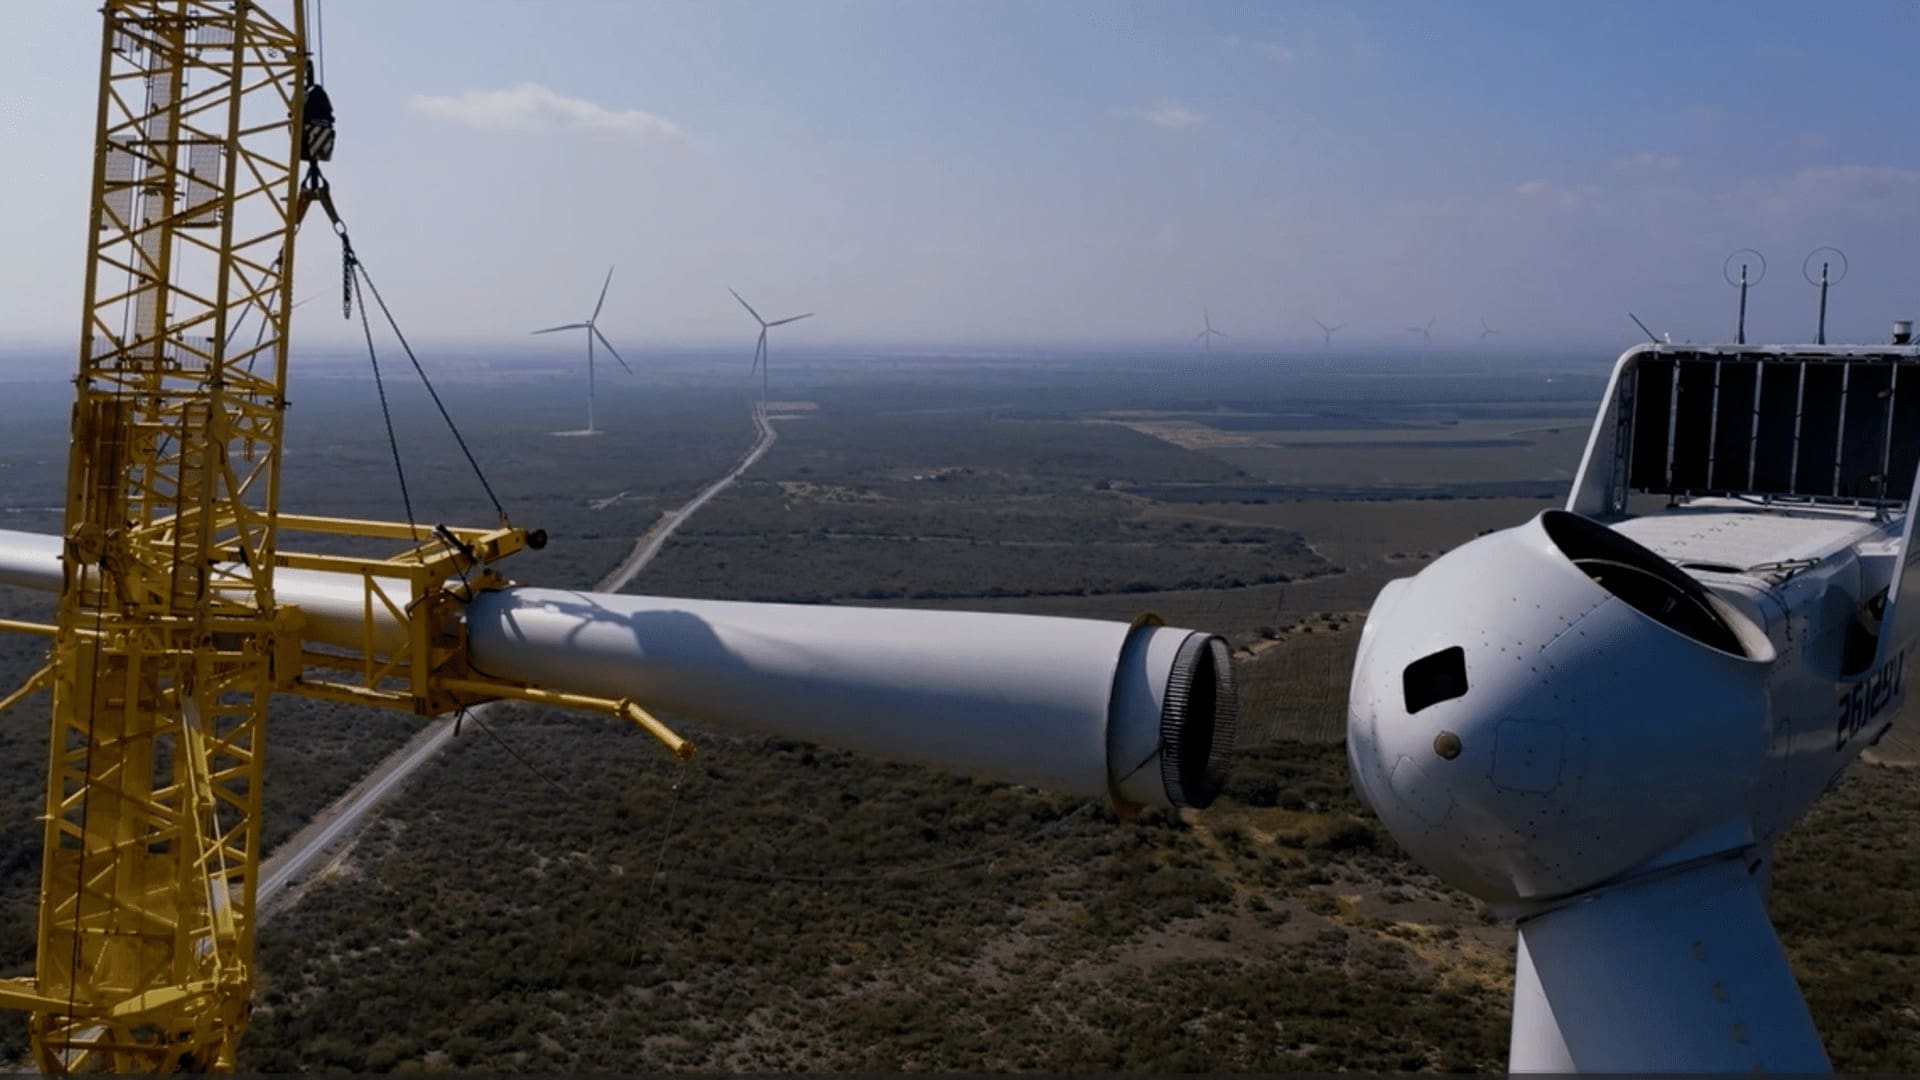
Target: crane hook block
column 316, row 122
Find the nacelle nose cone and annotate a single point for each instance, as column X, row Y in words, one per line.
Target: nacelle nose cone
column 1525, row 729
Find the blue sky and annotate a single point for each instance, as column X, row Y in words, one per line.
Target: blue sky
column 1062, row 171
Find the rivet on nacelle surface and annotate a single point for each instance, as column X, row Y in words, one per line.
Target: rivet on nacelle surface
column 1447, row 745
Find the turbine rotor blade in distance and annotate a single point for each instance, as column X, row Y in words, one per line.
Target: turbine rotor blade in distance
column 791, row 318
column 557, row 329
column 749, row 307
column 603, row 297
column 595, row 331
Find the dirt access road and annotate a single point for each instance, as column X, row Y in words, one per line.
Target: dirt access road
column 291, row 866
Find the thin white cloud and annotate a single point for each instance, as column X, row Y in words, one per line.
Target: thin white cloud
column 1646, row 162
column 1859, row 192
column 1551, row 194
column 1172, row 114
column 533, row 107
column 1274, row 51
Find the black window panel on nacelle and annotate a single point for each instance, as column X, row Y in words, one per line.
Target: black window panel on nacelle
column 1435, row 678
column 1693, row 411
column 1733, row 426
column 1863, row 431
column 1819, row 451
column 1652, row 413
column 1903, row 443
column 1773, row 445
column 1824, row 427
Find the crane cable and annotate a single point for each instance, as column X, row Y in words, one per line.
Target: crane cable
column 353, row 270
column 453, row 428
column 380, row 385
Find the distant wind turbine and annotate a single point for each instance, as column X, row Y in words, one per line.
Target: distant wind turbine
column 760, row 347
column 1425, row 332
column 1209, row 333
column 1328, row 332
column 1487, row 331
column 592, row 333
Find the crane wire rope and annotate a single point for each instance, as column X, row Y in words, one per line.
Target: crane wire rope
column 474, row 715
column 386, row 413
column 361, row 267
column 318, row 18
column 660, row 858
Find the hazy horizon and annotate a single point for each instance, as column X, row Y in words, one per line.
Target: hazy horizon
column 1074, row 173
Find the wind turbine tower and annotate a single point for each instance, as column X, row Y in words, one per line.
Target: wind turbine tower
column 593, row 332
column 760, row 347
column 1327, row 332
column 1206, row 336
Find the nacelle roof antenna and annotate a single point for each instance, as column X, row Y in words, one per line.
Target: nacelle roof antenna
column 1726, row 271
column 1826, row 255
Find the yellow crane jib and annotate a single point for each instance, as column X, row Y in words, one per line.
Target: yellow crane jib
column 169, row 637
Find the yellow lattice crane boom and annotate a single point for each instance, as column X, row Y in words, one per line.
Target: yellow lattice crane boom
column 181, row 610
column 164, row 650
column 169, row 639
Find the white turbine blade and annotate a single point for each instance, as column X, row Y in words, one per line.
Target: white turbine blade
column 1201, row 336
column 749, row 307
column 1323, row 326
column 791, row 318
column 595, row 331
column 603, row 295
column 1337, row 329
column 759, row 351
column 557, row 329
column 1679, row 974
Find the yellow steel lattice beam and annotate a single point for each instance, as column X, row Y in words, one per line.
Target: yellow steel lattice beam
column 161, row 663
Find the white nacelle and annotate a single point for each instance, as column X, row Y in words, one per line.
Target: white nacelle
column 1578, row 724
column 1602, row 730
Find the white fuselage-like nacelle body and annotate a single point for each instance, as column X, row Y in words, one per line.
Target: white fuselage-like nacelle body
column 1599, row 719
column 1599, row 722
